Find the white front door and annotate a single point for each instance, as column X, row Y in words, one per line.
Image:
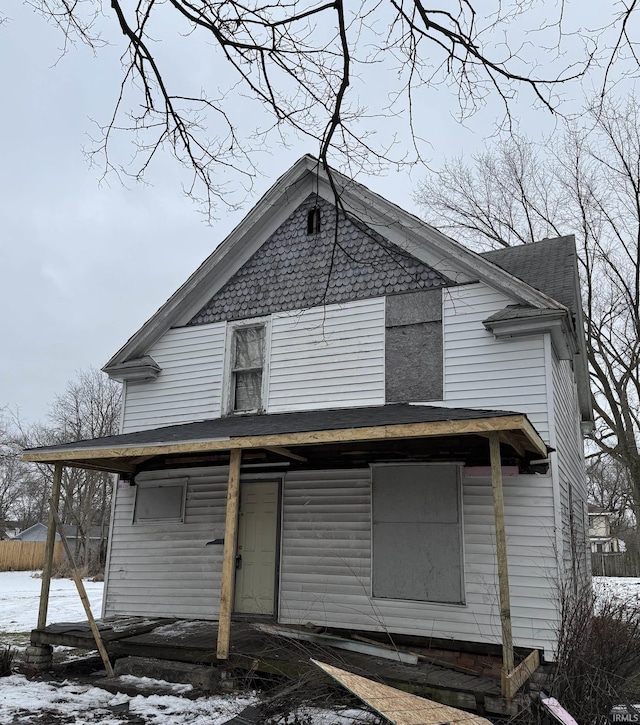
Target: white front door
column 257, row 547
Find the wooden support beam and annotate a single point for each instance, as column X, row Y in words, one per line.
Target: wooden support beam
column 229, row 555
column 531, row 440
column 49, row 547
column 517, row 678
column 83, row 596
column 286, row 453
column 503, row 569
column 511, row 439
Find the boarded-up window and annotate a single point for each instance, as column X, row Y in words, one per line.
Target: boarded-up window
column 417, row 533
column 160, row 502
column 247, row 362
column 413, row 347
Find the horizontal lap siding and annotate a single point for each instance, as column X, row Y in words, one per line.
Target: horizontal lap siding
column 327, row 357
column 190, row 385
column 570, row 461
column 166, row 569
column 326, row 561
column 482, row 372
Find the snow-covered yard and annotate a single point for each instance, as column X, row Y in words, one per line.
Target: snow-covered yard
column 35, row 701
column 19, row 599
column 27, row 701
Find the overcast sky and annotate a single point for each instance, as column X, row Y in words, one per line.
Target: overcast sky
column 83, row 264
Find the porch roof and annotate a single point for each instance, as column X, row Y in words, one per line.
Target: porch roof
column 122, row 453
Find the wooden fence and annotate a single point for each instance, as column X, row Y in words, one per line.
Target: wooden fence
column 26, row 555
column 619, row 564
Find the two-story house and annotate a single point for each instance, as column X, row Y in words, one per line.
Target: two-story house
column 344, row 417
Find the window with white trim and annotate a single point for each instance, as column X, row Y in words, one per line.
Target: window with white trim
column 160, row 502
column 245, row 370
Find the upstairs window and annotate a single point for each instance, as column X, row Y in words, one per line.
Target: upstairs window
column 246, row 368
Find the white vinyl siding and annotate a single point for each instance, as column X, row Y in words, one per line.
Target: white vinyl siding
column 570, row 464
column 327, row 357
column 190, row 385
column 166, row 569
column 326, row 561
column 482, row 372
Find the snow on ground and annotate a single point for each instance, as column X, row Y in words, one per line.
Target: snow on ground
column 20, row 595
column 617, row 588
column 26, row 701
column 32, row 701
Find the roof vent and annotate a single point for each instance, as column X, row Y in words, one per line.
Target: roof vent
column 313, row 221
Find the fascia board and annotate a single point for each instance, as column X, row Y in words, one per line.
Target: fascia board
column 581, row 364
column 562, row 338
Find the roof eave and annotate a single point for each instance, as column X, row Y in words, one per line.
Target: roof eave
column 557, row 325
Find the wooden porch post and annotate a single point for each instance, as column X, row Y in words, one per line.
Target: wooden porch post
column 501, row 547
column 229, row 554
column 49, row 547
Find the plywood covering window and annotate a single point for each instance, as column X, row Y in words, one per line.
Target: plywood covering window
column 417, row 533
column 246, row 362
column 160, row 502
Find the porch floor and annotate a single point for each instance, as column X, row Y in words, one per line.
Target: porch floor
column 255, row 652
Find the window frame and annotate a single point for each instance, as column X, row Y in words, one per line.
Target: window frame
column 173, row 483
column 228, row 391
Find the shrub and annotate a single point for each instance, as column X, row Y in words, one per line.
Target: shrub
column 6, row 660
column 598, row 655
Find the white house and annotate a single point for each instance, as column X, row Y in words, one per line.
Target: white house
column 344, row 417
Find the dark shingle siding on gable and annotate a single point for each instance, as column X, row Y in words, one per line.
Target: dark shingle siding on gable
column 289, row 271
column 549, row 266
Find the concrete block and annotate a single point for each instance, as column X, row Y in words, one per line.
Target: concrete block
column 201, row 677
column 40, row 656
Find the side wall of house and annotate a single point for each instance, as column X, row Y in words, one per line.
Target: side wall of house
column 482, row 372
column 569, row 460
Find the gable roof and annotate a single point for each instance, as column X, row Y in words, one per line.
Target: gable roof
column 295, row 270
column 404, row 230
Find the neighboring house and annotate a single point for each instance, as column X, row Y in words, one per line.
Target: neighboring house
column 8, row 530
column 600, row 537
column 390, row 402
column 38, row 532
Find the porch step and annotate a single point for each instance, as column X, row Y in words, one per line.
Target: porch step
column 145, row 673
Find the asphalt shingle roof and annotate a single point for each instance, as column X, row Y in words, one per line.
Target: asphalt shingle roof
column 549, row 266
column 281, row 423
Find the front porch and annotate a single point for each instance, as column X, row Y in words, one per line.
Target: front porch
column 298, row 445
column 467, row 679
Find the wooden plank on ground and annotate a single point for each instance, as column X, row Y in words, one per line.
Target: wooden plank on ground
column 341, row 643
column 400, row 708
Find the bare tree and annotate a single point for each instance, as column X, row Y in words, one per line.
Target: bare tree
column 348, row 77
column 586, row 182
column 88, row 408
